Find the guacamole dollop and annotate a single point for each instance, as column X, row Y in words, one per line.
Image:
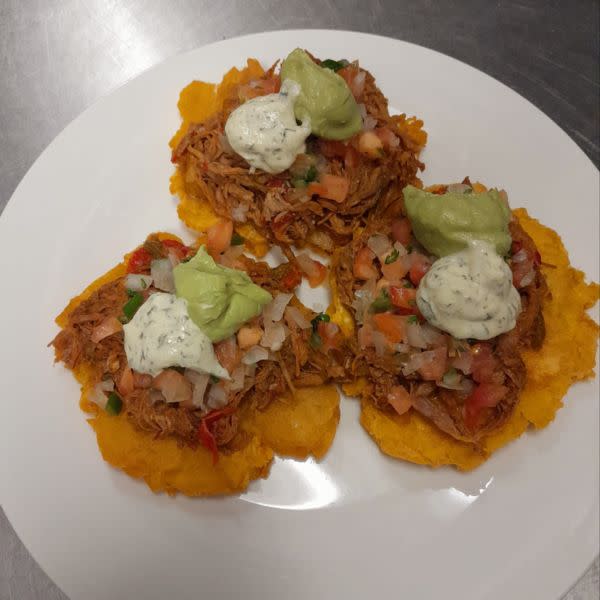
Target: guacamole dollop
column 445, row 224
column 220, row 300
column 325, row 98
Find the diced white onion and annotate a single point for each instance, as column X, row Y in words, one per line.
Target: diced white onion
column 274, row 310
column 137, row 283
column 380, row 342
column 274, row 336
column 254, row 355
column 358, row 84
column 237, row 379
column 217, row 397
column 108, row 385
column 161, row 271
column 520, row 256
column 295, row 315
column 432, row 336
column 463, row 362
column 414, row 334
column 402, row 251
column 380, row 244
column 200, row 383
column 527, row 279
column 402, row 348
column 239, row 213
column 98, row 396
column 416, row 361
column 459, row 188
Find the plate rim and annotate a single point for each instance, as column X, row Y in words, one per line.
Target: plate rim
column 9, row 207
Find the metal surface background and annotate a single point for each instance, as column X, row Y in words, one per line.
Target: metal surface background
column 58, row 56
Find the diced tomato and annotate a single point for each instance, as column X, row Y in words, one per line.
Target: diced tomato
column 315, row 271
column 348, row 73
column 142, row 380
column 396, row 270
column 228, row 354
column 484, row 364
column 316, row 189
column 280, row 224
column 259, row 87
column 332, row 148
column 139, row 261
column 403, row 297
column 249, row 336
column 292, row 278
column 352, row 158
column 401, row 231
column 387, row 137
column 400, row 400
column 370, row 144
column 205, row 435
column 276, row 182
column 174, row 386
column 332, row 187
column 180, row 250
column 485, row 395
column 523, row 272
column 219, row 237
column 392, row 326
column 434, row 367
column 364, row 265
column 420, row 266
column 355, row 78
column 330, row 335
column 207, row 439
column 335, row 149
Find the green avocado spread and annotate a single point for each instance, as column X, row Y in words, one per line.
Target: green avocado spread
column 325, row 98
column 446, row 223
column 220, row 300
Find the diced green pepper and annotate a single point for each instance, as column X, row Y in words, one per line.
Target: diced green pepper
column 382, row 303
column 114, row 404
column 299, row 183
column 334, row 65
column 315, row 340
column 131, row 306
column 237, row 239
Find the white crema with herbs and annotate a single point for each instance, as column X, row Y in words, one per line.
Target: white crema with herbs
column 264, row 130
column 470, row 293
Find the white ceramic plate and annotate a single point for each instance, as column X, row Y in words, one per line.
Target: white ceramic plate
column 523, row 525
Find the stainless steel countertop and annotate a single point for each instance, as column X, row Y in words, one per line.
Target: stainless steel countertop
column 59, row 56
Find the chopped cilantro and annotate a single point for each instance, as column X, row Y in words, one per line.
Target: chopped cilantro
column 392, row 257
column 315, row 340
column 334, row 65
column 237, row 239
column 321, row 317
column 311, row 174
column 382, row 303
